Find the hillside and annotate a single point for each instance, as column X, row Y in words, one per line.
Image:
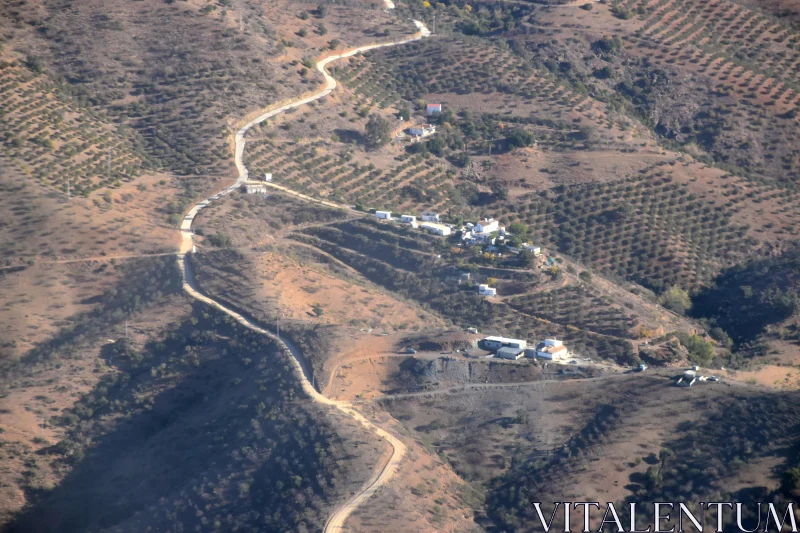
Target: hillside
column 613, row 441
column 756, row 301
column 150, row 431
column 214, row 318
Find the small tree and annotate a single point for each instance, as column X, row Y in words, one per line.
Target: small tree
column 675, row 299
column 520, row 138
column 527, row 259
column 519, row 229
column 378, row 132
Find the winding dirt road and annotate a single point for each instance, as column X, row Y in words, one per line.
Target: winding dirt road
column 384, row 473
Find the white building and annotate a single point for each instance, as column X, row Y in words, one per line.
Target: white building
column 423, row 130
column 552, row 349
column 485, row 290
column 487, row 225
column 408, row 219
column 384, row 215
column 507, row 352
column 535, row 250
column 438, row 229
column 495, row 343
column 430, row 217
column 268, row 176
column 433, row 109
column 255, row 188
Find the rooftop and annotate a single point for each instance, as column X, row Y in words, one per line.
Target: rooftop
column 551, row 349
column 434, row 225
column 501, row 339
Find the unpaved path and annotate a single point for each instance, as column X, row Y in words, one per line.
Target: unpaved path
column 484, row 386
column 382, row 474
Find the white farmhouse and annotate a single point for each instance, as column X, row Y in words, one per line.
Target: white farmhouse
column 430, row 217
column 552, row 349
column 485, row 290
column 408, row 219
column 438, row 229
column 384, row 215
column 423, row 130
column 487, row 225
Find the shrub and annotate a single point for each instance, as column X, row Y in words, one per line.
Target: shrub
column 700, row 351
column 676, row 299
column 519, row 138
column 220, row 240
column 377, row 133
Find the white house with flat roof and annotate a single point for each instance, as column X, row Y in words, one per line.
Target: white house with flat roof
column 507, row 352
column 495, row 343
column 485, row 290
column 438, row 229
column 384, row 215
column 408, row 219
column 430, row 217
column 433, row 109
column 423, row 130
column 255, row 188
column 535, row 250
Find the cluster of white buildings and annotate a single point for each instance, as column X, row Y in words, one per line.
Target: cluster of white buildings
column 426, row 130
column 481, row 232
column 506, row 348
column 430, row 222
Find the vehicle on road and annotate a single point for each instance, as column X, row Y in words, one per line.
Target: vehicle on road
column 713, row 378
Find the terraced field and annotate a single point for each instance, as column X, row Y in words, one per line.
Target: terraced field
column 446, row 65
column 646, row 228
column 59, row 143
column 734, row 42
column 315, row 168
column 578, row 306
column 409, row 265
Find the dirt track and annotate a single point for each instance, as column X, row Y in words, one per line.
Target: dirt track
column 384, row 473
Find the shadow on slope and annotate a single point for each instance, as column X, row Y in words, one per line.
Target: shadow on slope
column 203, row 429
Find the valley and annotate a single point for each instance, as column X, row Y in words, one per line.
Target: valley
column 231, row 303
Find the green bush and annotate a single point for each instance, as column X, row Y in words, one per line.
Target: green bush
column 220, row 240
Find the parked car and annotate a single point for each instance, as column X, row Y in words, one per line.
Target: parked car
column 573, row 362
column 410, row 350
column 713, row 378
